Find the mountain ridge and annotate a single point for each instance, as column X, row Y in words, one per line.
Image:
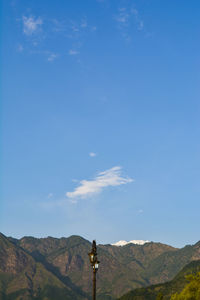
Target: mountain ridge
column 122, row 269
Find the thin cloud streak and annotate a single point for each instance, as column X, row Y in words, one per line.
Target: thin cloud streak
column 52, row 57
column 109, row 178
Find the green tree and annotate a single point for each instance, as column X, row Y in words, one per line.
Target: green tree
column 159, row 296
column 191, row 290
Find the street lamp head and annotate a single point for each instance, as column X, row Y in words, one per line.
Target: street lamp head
column 96, row 265
column 91, row 255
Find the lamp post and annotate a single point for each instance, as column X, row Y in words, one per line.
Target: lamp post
column 95, row 265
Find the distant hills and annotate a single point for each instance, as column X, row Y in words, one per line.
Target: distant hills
column 32, row 268
column 166, row 289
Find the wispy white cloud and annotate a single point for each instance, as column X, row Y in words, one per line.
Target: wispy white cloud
column 52, row 57
column 127, row 18
column 48, row 55
column 84, row 23
column 52, row 204
column 123, row 16
column 73, row 52
column 31, row 24
column 93, row 28
column 37, row 29
column 75, row 28
column 138, row 20
column 92, row 154
column 59, row 26
column 20, row 48
column 109, row 178
column 50, row 195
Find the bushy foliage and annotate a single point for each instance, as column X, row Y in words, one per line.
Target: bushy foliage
column 191, row 290
column 159, row 297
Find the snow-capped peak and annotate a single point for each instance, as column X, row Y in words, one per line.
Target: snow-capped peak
column 136, row 242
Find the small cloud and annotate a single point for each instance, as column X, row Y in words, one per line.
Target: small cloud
column 134, row 11
column 73, row 200
column 52, row 204
column 35, row 43
column 140, row 25
column 84, row 23
column 59, row 26
column 75, row 27
column 52, row 57
column 122, row 9
column 73, row 52
column 74, row 180
column 20, row 48
column 123, row 16
column 93, row 28
column 139, row 22
column 50, row 195
column 140, row 211
column 31, row 25
column 92, row 154
column 109, row 178
column 126, row 17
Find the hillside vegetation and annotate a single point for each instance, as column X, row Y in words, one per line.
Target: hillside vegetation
column 170, row 290
column 191, row 291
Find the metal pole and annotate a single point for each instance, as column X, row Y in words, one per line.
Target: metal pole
column 94, row 284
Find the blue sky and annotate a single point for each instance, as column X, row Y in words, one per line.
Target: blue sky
column 100, row 119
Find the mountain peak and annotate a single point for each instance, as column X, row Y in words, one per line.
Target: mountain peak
column 135, row 242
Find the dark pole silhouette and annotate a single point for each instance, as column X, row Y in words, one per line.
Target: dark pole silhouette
column 95, row 265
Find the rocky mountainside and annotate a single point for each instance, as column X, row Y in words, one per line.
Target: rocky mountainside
column 166, row 289
column 121, row 268
column 24, row 278
column 66, row 263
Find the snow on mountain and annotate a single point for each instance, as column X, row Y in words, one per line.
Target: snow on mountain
column 136, row 242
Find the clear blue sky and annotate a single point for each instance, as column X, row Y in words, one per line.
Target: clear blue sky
column 101, row 119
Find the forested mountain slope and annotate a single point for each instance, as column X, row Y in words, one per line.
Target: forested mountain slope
column 166, row 290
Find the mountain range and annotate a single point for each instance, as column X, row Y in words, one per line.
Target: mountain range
column 40, row 268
